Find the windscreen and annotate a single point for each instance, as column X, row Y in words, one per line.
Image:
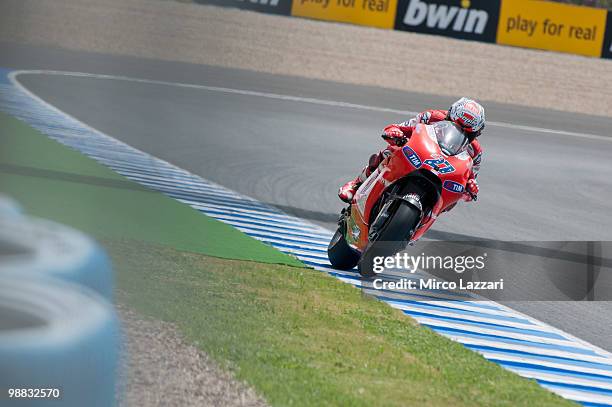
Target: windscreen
column 450, row 137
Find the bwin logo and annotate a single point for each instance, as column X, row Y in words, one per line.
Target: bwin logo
column 273, row 3
column 441, row 16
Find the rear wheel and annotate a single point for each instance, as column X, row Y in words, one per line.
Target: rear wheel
column 340, row 254
column 392, row 238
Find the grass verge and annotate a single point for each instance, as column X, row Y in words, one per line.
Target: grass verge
column 303, row 338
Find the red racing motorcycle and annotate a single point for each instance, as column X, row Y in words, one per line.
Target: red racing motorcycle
column 403, row 197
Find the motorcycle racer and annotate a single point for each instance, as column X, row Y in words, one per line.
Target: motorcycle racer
column 468, row 114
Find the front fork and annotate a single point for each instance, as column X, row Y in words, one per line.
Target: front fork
column 413, row 199
column 343, row 225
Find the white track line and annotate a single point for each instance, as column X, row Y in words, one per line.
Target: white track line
column 300, row 99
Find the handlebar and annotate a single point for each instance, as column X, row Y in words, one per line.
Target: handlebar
column 398, row 141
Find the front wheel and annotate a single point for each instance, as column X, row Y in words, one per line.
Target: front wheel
column 340, row 254
column 392, row 238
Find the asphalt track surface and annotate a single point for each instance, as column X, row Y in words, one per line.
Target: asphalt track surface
column 294, row 155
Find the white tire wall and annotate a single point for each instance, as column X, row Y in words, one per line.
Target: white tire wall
column 9, row 207
column 30, row 246
column 55, row 334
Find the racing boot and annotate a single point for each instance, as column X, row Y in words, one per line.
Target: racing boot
column 347, row 191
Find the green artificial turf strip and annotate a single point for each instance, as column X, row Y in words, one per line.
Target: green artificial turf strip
column 55, row 182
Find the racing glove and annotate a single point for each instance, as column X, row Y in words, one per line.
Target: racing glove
column 393, row 135
column 471, row 190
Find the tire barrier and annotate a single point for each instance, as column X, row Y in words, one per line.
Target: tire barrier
column 58, row 336
column 9, row 207
column 36, row 246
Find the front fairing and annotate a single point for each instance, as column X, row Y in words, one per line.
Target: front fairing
column 422, row 152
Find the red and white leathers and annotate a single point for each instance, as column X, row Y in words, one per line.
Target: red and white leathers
column 401, row 131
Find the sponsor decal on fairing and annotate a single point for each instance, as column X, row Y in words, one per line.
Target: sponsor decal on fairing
column 453, row 186
column 412, row 156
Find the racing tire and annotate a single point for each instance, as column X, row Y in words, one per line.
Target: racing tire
column 392, row 238
column 31, row 246
column 58, row 335
column 340, row 254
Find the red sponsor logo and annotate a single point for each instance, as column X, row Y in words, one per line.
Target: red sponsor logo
column 472, row 107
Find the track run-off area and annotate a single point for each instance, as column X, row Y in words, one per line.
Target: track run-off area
column 239, row 154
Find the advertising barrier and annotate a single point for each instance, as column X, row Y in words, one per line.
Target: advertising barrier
column 536, row 24
column 551, row 26
column 264, row 6
column 471, row 20
column 606, row 51
column 374, row 13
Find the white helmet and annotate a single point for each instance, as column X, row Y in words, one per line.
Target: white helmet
column 469, row 115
